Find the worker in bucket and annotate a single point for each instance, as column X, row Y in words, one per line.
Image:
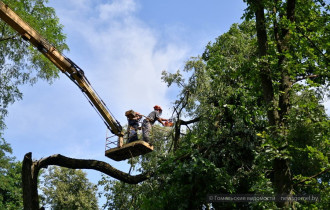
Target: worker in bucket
column 133, row 119
column 150, row 120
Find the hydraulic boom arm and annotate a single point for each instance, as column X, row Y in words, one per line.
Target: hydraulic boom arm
column 64, row 64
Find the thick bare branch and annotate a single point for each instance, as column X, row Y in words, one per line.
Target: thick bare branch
column 182, row 122
column 101, row 166
column 30, row 171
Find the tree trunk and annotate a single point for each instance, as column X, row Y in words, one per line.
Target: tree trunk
column 176, row 139
column 282, row 177
column 265, row 76
column 29, row 182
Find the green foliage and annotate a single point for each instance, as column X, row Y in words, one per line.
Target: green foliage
column 218, row 156
column 306, row 51
column 297, row 49
column 20, row 63
column 233, row 146
column 10, row 179
column 231, row 149
column 65, row 188
column 308, row 147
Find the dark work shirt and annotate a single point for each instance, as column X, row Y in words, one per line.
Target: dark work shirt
column 133, row 123
column 153, row 116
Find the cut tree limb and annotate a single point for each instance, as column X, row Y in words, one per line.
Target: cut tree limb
column 63, row 161
column 30, row 171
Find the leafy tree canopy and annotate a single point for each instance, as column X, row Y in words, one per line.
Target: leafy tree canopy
column 65, row 188
column 20, row 63
column 255, row 111
column 10, row 179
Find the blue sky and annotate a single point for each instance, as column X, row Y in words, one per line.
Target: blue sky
column 123, row 46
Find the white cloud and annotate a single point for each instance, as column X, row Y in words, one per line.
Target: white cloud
column 123, row 57
column 118, row 8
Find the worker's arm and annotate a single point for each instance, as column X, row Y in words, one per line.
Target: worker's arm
column 161, row 120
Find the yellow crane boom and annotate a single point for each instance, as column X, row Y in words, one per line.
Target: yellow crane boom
column 64, row 64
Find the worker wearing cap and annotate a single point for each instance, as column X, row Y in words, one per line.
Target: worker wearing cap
column 150, row 120
column 133, row 125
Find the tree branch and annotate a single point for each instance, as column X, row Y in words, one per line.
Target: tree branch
column 182, row 122
column 312, row 43
column 101, row 166
column 7, row 38
column 305, row 77
column 314, row 176
column 30, row 171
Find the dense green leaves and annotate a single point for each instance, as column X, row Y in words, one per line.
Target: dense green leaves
column 234, row 147
column 255, row 96
column 65, row 188
column 10, row 179
column 20, row 63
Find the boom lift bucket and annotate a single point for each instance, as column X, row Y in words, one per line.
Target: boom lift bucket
column 127, row 151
